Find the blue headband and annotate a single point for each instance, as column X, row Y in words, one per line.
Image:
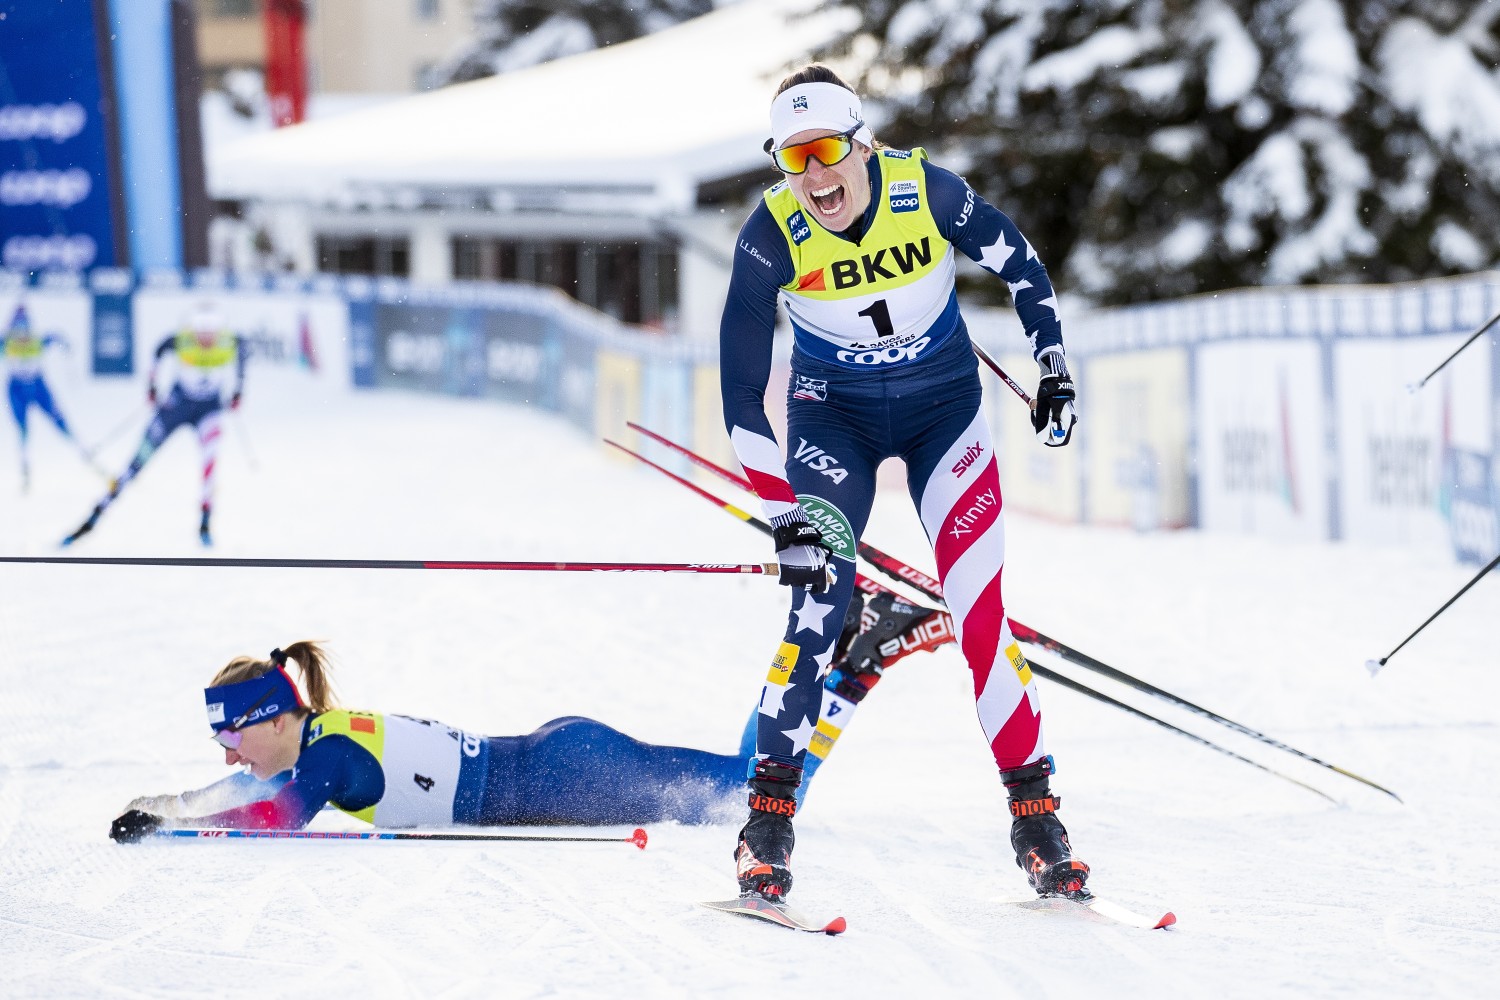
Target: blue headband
column 231, row 706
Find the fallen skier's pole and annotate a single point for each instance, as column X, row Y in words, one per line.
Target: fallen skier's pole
column 757, row 569
column 638, row 838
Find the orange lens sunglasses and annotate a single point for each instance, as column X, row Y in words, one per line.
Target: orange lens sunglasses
column 829, row 149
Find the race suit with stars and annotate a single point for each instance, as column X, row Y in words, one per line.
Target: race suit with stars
column 882, row 367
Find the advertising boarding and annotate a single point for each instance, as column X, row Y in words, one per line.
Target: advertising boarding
column 1047, row 482
column 1138, row 417
column 1414, row 467
column 1262, row 439
column 59, row 192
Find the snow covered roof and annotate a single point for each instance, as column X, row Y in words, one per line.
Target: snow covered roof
column 647, row 120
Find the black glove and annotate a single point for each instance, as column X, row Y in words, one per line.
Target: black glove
column 802, row 553
column 1053, row 415
column 132, row 825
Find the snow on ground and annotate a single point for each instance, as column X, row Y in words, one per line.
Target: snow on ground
column 1278, row 892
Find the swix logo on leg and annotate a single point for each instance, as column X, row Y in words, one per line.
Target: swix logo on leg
column 818, row 460
column 970, row 456
column 963, row 524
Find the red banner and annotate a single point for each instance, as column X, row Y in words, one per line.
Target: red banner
column 286, row 60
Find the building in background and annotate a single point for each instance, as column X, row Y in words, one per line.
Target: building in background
column 619, row 175
column 353, row 46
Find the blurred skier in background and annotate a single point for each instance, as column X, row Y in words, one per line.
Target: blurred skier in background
column 209, row 372
column 858, row 240
column 27, row 385
column 396, row 771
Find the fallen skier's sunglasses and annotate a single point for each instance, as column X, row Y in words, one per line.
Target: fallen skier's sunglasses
column 829, row 149
column 230, row 737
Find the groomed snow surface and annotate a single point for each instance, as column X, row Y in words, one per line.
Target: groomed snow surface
column 1279, row 893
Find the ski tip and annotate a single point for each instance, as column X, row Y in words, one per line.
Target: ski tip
column 1168, row 919
column 838, row 925
column 638, row 838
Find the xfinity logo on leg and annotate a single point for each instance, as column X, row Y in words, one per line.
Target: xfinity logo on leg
column 964, row 523
column 973, row 452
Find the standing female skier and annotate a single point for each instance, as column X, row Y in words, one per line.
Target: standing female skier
column 397, row 771
column 210, row 362
column 27, row 386
column 859, row 243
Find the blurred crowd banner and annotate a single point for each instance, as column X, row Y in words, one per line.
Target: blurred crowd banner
column 1282, row 414
column 61, row 195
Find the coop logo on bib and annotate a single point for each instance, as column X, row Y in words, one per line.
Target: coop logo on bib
column 903, row 196
column 798, row 227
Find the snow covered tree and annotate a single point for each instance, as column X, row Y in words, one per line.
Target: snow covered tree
column 513, row 34
column 1160, row 148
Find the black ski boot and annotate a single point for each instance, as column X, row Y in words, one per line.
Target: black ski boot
column 85, row 527
column 892, row 617
column 763, row 856
column 1037, row 835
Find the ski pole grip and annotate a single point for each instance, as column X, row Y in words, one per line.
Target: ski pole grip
column 773, row 570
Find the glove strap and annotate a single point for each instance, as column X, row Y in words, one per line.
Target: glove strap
column 797, row 533
column 1053, row 362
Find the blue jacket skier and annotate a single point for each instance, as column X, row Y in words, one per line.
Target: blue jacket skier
column 303, row 753
column 27, row 385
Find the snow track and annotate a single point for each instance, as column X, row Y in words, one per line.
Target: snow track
column 905, row 829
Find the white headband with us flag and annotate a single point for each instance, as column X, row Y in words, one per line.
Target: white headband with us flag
column 817, row 106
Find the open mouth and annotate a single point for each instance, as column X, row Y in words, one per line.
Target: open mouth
column 829, row 200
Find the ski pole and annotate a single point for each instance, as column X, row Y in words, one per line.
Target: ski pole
column 130, row 418
column 995, row 367
column 88, row 459
column 244, row 439
column 1472, row 337
column 1068, row 682
column 1038, row 669
column 898, row 570
column 1373, row 666
column 755, row 569
column 638, row 838
column 860, row 580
